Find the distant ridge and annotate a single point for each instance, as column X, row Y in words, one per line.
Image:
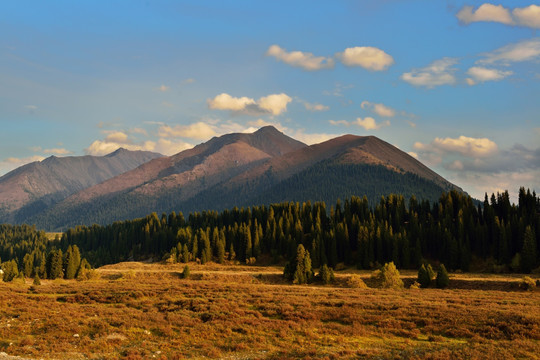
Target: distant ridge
column 35, row 187
column 250, row 169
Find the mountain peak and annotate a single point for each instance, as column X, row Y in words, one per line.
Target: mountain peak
column 269, row 129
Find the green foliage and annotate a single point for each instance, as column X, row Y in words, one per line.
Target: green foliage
column 185, row 273
column 528, row 284
column 10, row 269
column 37, row 280
column 442, row 279
column 388, row 277
column 326, row 274
column 355, row 282
column 298, row 270
column 528, row 253
column 425, row 275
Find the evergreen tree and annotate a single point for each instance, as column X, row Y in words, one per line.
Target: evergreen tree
column 442, row 279
column 185, row 254
column 528, row 253
column 54, row 264
column 299, row 269
column 220, row 251
column 425, row 274
column 11, row 270
column 326, row 274
column 389, row 278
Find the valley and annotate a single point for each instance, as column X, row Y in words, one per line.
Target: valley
column 146, row 311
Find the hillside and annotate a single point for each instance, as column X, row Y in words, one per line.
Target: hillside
column 34, row 187
column 250, row 169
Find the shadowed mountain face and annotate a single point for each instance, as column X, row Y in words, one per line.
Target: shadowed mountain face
column 38, row 185
column 250, row 169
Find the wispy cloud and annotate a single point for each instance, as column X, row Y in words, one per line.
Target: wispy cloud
column 379, row 109
column 526, row 50
column 368, row 123
column 439, row 72
column 304, row 60
column 480, row 74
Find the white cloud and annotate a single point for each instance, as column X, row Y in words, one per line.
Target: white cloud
column 316, row 107
column 439, row 72
column 304, row 60
column 12, row 163
column 369, row 123
column 481, row 74
column 413, row 154
column 526, row 50
column 118, row 137
column 466, row 146
column 199, row 131
column 486, row 12
column 259, row 123
column 379, row 109
column 188, row 81
column 274, row 104
column 528, row 16
column 370, row 58
column 227, row 102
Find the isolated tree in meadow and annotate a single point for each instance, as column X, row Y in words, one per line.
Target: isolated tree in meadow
column 298, row 270
column 425, row 275
column 326, row 274
column 389, row 278
column 185, row 254
column 442, row 279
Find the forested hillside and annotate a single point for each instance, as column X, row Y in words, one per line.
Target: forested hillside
column 452, row 230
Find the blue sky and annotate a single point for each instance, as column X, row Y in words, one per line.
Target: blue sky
column 454, row 83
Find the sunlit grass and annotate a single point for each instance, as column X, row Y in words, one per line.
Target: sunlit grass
column 137, row 311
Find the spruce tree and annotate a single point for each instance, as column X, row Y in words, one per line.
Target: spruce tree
column 326, row 274
column 425, row 275
column 442, row 279
column 298, row 270
column 528, row 253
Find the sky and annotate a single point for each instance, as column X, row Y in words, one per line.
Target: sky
column 455, row 84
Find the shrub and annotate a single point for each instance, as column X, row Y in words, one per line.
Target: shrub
column 415, row 286
column 10, row 269
column 355, row 281
column 388, row 277
column 326, row 274
column 185, row 274
column 37, row 281
column 425, row 275
column 527, row 283
column 442, row 277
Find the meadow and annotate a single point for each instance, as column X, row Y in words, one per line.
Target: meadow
column 147, row 311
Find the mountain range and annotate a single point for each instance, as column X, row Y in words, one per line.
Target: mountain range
column 232, row 170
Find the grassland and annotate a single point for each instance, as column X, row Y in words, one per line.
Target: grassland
column 146, row 311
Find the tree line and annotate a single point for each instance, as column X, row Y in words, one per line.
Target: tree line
column 455, row 230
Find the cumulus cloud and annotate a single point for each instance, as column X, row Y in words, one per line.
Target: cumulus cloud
column 304, row 60
column 480, row 74
column 274, row 104
column 439, row 72
column 370, row 58
column 525, row 50
column 379, row 109
column 467, row 146
column 199, row 131
column 57, row 151
column 528, row 16
column 486, row 12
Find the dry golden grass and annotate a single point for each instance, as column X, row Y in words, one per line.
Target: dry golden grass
column 145, row 311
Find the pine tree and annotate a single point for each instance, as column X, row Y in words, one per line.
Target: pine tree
column 72, row 262
column 424, row 275
column 528, row 253
column 326, row 274
column 298, row 270
column 442, row 279
column 389, row 278
column 220, row 251
column 54, row 264
column 185, row 254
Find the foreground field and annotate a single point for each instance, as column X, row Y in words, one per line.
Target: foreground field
column 139, row 311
